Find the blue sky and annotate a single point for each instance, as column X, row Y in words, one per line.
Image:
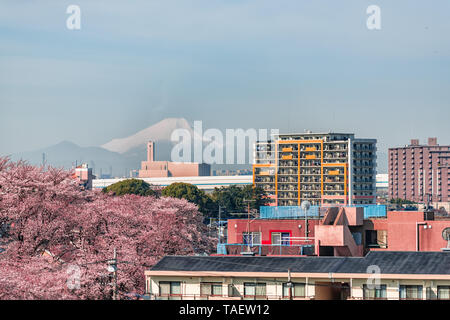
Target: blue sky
column 286, row 64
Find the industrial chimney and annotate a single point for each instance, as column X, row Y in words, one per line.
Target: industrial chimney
column 151, row 151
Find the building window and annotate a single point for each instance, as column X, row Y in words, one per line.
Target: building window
column 254, row 290
column 211, row 289
column 376, row 239
column 379, row 292
column 443, row 292
column 411, row 292
column 281, row 238
column 298, row 290
column 251, row 238
column 169, row 288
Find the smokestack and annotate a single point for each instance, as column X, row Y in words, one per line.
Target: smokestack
column 150, row 151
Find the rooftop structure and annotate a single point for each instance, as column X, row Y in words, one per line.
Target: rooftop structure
column 335, row 231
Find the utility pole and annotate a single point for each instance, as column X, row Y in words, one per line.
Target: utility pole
column 115, row 275
column 248, row 222
column 112, row 267
column 219, row 230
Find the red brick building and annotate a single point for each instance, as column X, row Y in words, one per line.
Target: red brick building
column 416, row 171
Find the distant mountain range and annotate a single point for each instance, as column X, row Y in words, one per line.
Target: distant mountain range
column 115, row 158
column 119, row 156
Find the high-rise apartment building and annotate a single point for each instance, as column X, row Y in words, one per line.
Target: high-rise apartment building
column 419, row 172
column 323, row 168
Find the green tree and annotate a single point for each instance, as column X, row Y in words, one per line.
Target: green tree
column 255, row 193
column 192, row 194
column 131, row 186
column 232, row 198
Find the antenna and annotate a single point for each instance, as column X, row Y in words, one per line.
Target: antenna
column 219, row 227
column 248, row 223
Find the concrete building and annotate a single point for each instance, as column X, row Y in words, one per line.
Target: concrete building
column 382, row 185
column 420, row 173
column 333, row 231
column 330, row 231
column 206, row 183
column 403, row 276
column 323, row 168
column 84, row 175
column 154, row 169
column 408, row 231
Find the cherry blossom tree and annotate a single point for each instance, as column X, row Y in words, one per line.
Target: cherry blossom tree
column 59, row 237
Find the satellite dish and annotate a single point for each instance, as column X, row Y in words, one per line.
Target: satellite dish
column 446, row 234
column 306, row 205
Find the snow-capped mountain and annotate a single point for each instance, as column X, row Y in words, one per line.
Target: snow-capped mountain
column 160, row 131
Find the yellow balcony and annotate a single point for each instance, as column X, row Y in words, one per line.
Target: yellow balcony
column 286, row 157
column 310, row 156
column 310, row 149
column 333, row 172
column 286, row 150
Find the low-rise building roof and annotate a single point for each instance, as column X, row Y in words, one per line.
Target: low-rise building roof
column 392, row 262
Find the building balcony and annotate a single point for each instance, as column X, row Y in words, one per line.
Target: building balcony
column 265, row 249
column 220, row 297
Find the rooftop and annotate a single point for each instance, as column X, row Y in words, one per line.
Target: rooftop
column 392, row 262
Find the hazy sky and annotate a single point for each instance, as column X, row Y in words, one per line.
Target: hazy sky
column 287, row 64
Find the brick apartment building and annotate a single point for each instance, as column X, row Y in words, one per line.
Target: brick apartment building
column 417, row 172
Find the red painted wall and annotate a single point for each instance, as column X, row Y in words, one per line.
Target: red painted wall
column 401, row 229
column 236, row 227
column 400, row 225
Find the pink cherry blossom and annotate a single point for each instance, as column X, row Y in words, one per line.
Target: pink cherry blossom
column 57, row 232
